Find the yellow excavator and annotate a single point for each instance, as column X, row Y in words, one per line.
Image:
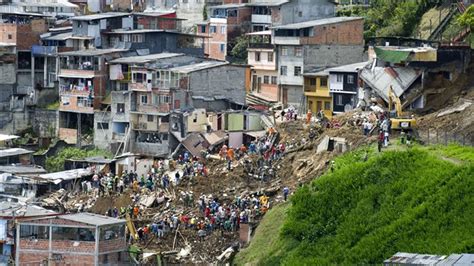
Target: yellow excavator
column 399, row 122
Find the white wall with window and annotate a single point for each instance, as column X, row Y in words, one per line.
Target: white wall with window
column 336, row 82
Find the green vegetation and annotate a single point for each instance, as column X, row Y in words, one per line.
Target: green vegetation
column 390, row 18
column 53, row 106
column 239, row 51
column 204, row 13
column 416, row 200
column 56, row 163
column 266, row 239
column 467, row 20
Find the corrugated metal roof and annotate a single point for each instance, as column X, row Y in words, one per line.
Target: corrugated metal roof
column 58, row 177
column 22, row 169
column 16, row 209
column 381, row 78
column 4, row 137
column 91, row 218
column 317, row 22
column 269, row 3
column 92, row 52
column 348, row 68
column 198, row 66
column 100, row 16
column 14, row 152
column 141, row 59
column 228, row 6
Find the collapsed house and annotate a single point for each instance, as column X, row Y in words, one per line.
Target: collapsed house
column 409, row 69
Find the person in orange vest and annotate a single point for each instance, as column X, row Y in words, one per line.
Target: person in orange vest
column 230, row 153
column 136, row 211
column 271, row 131
column 309, row 114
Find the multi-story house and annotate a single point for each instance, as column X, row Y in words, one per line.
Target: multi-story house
column 88, row 30
column 18, row 33
column 318, row 44
column 264, row 74
column 192, row 11
column 273, row 13
column 316, row 91
column 226, row 23
column 148, row 88
column 344, row 86
column 82, row 78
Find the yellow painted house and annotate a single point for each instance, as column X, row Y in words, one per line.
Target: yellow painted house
column 316, row 91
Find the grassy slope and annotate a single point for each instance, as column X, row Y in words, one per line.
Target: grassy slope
column 412, row 201
column 266, row 242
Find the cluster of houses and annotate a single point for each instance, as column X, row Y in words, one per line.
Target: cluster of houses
column 148, row 79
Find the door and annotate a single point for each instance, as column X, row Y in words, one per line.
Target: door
column 219, row 121
column 284, row 98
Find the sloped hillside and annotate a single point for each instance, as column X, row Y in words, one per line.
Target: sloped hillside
column 418, row 200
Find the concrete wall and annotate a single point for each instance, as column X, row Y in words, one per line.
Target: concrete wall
column 290, row 61
column 102, row 136
column 44, row 122
column 332, row 55
column 302, row 10
column 120, row 97
column 224, row 81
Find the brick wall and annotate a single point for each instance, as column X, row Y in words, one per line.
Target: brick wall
column 35, row 258
column 69, row 135
column 73, row 246
column 6, row 31
column 344, row 33
column 112, row 245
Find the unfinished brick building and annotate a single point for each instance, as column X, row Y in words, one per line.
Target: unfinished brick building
column 72, row 239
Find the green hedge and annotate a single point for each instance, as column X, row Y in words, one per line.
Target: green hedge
column 56, row 163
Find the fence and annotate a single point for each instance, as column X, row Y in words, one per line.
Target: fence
column 442, row 137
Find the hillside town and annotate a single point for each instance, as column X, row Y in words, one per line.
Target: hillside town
column 150, row 132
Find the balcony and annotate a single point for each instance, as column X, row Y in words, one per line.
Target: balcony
column 287, row 40
column 261, row 19
column 78, row 90
column 144, row 87
column 77, row 73
column 152, row 109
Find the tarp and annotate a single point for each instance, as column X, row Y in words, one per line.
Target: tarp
column 116, row 72
column 392, row 56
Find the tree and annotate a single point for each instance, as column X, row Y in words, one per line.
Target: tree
column 239, row 50
column 467, row 19
column 204, row 12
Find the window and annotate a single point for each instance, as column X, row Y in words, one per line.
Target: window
column 297, row 71
column 300, row 14
column 139, row 77
column 120, row 107
column 34, row 231
column 137, row 38
column 274, row 80
column 266, row 79
column 144, row 99
column 350, row 79
column 270, row 56
column 323, row 82
column 10, row 36
column 102, row 125
column 284, row 51
column 212, row 29
column 312, row 81
column 327, row 105
column 149, row 118
column 165, row 99
column 223, row 29
column 283, row 70
column 339, row 78
column 257, row 56
column 222, row 48
column 203, row 28
column 298, row 51
column 339, row 100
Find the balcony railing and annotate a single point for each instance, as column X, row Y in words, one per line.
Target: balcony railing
column 74, row 90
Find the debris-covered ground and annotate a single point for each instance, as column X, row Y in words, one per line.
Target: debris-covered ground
column 307, row 155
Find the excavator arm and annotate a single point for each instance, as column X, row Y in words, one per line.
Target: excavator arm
column 394, row 100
